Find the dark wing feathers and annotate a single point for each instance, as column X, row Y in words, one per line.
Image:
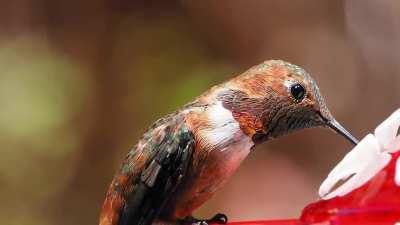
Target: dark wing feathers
column 160, row 178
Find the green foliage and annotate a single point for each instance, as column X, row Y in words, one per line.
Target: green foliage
column 41, row 93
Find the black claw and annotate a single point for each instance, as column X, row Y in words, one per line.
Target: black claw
column 219, row 218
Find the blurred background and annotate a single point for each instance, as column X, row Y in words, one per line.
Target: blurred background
column 81, row 80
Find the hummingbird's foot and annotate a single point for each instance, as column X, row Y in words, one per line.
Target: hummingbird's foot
column 218, row 218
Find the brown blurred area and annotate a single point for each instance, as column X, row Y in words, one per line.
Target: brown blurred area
column 81, row 80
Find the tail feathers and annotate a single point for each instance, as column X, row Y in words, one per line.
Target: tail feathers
column 114, row 202
column 111, row 211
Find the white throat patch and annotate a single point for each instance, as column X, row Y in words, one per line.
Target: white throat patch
column 224, row 128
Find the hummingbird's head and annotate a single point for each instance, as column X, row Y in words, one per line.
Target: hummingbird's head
column 276, row 98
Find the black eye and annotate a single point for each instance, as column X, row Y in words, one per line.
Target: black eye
column 298, row 92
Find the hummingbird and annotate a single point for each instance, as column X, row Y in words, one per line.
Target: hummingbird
column 186, row 156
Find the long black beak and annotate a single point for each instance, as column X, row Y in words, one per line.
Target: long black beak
column 342, row 131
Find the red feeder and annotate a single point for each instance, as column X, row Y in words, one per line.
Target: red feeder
column 376, row 202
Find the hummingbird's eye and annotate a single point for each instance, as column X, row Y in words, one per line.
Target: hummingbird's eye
column 298, row 92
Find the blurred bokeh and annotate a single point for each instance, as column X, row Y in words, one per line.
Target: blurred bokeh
column 81, row 80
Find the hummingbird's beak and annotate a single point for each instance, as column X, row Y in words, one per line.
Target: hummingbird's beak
column 335, row 125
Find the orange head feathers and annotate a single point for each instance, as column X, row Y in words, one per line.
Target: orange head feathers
column 275, row 98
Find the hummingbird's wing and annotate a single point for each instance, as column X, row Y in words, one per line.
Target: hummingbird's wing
column 138, row 195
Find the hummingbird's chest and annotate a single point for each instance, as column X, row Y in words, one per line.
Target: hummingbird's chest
column 225, row 146
column 220, row 165
column 215, row 171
